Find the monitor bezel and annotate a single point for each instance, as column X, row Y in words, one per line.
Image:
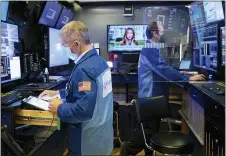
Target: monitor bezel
column 48, row 50
column 40, row 15
column 12, row 80
column 60, row 15
column 125, row 51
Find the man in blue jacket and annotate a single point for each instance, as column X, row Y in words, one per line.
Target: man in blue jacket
column 153, row 77
column 87, row 101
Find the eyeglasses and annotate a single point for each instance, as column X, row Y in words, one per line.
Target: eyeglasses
column 68, row 46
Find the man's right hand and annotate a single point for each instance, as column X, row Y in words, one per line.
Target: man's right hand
column 198, row 77
column 49, row 93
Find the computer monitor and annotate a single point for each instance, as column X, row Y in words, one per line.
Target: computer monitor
column 4, row 9
column 50, row 13
column 65, row 17
column 57, row 53
column 185, row 65
column 126, row 38
column 197, row 15
column 213, row 11
column 223, row 45
column 10, row 55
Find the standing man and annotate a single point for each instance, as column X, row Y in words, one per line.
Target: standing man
column 153, row 77
column 87, row 102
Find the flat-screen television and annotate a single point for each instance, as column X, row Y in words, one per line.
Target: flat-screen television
column 126, row 38
column 4, row 9
column 57, row 53
column 65, row 17
column 10, row 54
column 223, row 45
column 213, row 11
column 50, row 14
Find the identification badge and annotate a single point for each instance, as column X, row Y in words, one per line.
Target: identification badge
column 107, row 83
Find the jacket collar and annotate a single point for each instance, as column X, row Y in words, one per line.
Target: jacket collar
column 85, row 56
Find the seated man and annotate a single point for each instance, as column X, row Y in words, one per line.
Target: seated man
column 153, row 77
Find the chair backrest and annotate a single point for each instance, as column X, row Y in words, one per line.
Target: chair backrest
column 152, row 108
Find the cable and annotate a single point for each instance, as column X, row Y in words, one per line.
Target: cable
column 51, row 124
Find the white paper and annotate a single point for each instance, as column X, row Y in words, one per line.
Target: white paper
column 39, row 103
column 47, row 98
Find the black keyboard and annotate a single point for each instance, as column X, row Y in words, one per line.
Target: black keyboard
column 216, row 88
column 40, row 87
column 14, row 96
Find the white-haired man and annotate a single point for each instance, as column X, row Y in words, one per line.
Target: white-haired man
column 88, row 106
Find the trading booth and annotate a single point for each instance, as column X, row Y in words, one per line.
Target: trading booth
column 33, row 59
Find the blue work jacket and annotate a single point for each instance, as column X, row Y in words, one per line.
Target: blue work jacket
column 88, row 107
column 154, row 74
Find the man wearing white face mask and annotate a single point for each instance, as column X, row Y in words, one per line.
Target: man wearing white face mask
column 87, row 108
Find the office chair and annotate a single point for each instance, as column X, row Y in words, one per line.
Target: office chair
column 170, row 143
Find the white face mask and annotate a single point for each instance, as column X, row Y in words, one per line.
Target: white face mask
column 71, row 55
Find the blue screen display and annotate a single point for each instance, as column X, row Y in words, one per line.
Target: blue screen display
column 50, row 14
column 4, row 10
column 65, row 17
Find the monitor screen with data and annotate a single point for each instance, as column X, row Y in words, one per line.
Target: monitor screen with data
column 10, row 55
column 223, row 45
column 57, row 53
column 213, row 11
column 4, row 9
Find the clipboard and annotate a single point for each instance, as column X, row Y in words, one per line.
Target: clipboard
column 36, row 102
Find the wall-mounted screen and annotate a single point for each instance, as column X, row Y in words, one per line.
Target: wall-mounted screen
column 65, row 17
column 50, row 13
column 126, row 38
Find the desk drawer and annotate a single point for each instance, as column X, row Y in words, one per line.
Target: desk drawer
column 215, row 113
column 35, row 117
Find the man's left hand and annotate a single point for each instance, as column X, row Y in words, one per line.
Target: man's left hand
column 53, row 105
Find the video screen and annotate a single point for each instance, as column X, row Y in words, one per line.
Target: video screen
column 50, row 13
column 213, row 11
column 223, row 44
column 10, row 56
column 57, row 53
column 197, row 16
column 126, row 37
column 4, row 9
column 65, row 17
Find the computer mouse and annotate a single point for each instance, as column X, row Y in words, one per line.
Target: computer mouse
column 32, row 85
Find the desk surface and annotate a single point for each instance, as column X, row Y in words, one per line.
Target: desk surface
column 218, row 98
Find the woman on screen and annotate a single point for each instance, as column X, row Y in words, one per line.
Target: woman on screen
column 129, row 37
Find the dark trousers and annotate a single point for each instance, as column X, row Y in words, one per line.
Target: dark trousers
column 137, row 143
